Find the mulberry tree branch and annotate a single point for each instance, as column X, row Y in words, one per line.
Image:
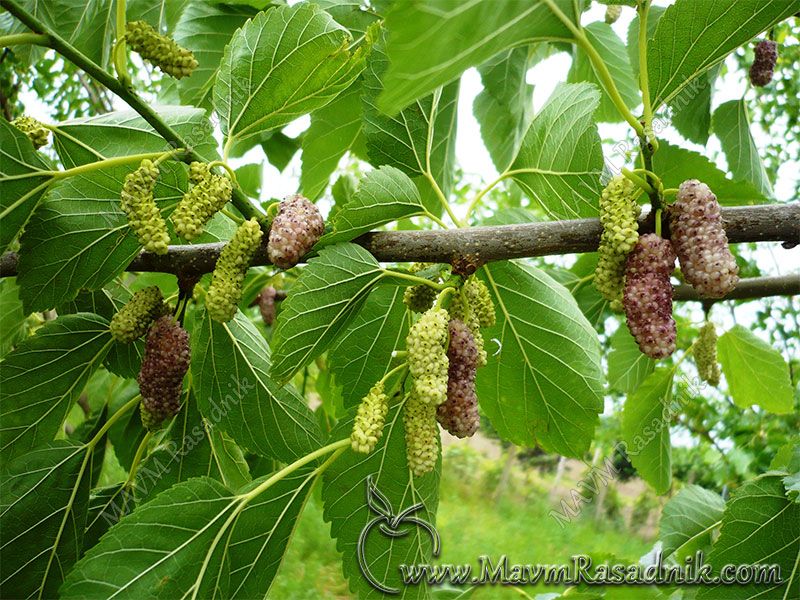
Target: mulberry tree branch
column 129, row 95
column 765, row 223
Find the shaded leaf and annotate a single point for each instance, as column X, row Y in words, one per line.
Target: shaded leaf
column 230, row 366
column 344, row 489
column 612, row 50
column 756, row 372
column 431, row 43
column 732, row 127
column 363, row 354
column 688, row 520
column 383, row 196
column 44, row 376
column 282, row 64
column 334, row 129
column 645, row 427
column 321, row 303
column 206, row 28
column 675, row 165
column 693, row 36
column 561, row 158
column 505, row 105
column 18, row 197
column 760, row 525
column 543, row 381
column 43, row 514
column 419, row 139
column 627, row 366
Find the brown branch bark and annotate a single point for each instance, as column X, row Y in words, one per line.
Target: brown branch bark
column 776, row 223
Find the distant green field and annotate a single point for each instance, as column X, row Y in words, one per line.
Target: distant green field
column 470, row 524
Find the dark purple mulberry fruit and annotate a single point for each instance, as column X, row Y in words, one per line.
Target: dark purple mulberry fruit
column 295, row 229
column 165, row 362
column 766, row 55
column 648, row 295
column 459, row 413
column 700, row 242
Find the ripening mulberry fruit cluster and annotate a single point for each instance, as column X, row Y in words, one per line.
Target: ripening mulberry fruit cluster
column 421, row 433
column 370, row 418
column 139, row 204
column 648, row 296
column 613, row 12
column 427, row 356
column 165, row 362
column 763, row 67
column 474, row 307
column 699, row 239
column 419, row 298
column 134, row 319
column 160, row 50
column 295, row 229
column 226, row 281
column 266, row 304
column 37, row 133
column 618, row 213
column 705, row 354
column 459, row 413
column 202, row 201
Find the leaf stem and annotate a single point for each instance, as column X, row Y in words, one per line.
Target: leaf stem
column 658, row 222
column 638, row 181
column 111, row 162
column 477, row 199
column 415, row 279
column 114, row 418
column 137, row 458
column 119, row 50
column 76, row 57
column 599, row 65
column 643, row 6
column 435, row 219
column 443, row 200
column 289, row 469
column 235, row 218
column 18, row 39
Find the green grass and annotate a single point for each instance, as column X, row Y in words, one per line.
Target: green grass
column 471, row 523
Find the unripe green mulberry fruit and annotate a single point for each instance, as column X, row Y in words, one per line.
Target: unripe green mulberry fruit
column 766, row 55
column 422, row 435
column 295, row 229
column 705, row 354
column 427, row 356
column 226, row 281
column 198, row 172
column 648, row 296
column 370, row 418
column 699, row 239
column 613, row 12
column 165, row 362
column 618, row 214
column 266, row 304
column 203, row 200
column 459, row 414
column 35, row 130
column 160, row 50
column 419, row 298
column 134, row 319
column 480, row 301
column 140, row 206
